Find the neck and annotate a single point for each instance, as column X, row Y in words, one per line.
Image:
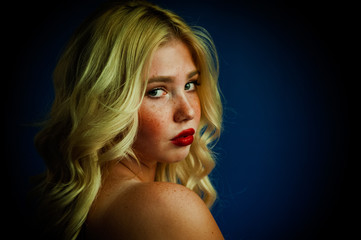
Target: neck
column 129, row 168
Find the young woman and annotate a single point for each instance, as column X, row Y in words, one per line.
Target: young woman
column 128, row 141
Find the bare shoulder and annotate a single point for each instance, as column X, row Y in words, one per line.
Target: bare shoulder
column 163, row 195
column 159, row 211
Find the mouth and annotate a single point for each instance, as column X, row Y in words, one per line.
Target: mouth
column 184, row 138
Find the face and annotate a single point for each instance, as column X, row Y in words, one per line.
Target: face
column 170, row 111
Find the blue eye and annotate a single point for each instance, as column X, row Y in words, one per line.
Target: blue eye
column 156, row 93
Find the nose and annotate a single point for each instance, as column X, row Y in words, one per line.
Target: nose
column 184, row 111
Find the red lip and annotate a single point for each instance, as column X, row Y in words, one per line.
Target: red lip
column 184, row 138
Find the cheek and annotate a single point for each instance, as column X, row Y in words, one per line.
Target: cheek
column 197, row 109
column 151, row 121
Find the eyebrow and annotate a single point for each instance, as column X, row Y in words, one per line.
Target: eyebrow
column 166, row 79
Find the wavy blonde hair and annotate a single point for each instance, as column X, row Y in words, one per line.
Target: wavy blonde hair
column 99, row 83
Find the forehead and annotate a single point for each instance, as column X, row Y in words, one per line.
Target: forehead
column 172, row 59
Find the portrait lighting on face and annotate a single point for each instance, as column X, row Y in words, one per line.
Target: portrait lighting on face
column 170, row 111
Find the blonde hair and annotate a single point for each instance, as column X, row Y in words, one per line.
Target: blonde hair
column 99, row 85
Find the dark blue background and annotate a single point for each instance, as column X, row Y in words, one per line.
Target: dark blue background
column 283, row 169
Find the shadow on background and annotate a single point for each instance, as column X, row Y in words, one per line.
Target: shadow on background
column 284, row 161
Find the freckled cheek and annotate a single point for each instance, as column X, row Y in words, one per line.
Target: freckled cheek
column 151, row 124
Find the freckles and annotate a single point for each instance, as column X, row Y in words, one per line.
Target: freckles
column 152, row 122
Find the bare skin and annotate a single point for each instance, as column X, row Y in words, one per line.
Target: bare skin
column 130, row 205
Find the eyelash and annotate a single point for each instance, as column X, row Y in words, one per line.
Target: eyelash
column 195, row 85
column 195, row 82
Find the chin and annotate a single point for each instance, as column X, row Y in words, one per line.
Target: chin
column 177, row 155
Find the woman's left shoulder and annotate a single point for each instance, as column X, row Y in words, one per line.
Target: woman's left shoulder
column 171, row 193
column 158, row 210
column 179, row 211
